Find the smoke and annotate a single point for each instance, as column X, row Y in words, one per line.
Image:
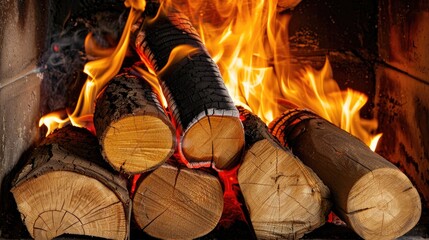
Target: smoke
column 63, row 62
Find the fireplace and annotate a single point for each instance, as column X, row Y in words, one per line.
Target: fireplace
column 377, row 48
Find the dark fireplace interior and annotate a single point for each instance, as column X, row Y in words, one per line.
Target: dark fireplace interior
column 379, row 48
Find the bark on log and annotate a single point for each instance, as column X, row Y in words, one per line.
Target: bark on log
column 193, row 87
column 65, row 188
column 132, row 127
column 285, row 199
column 175, row 203
column 373, row 196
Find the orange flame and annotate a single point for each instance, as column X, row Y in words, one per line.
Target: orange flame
column 318, row 91
column 374, row 142
column 153, row 81
column 249, row 42
column 99, row 72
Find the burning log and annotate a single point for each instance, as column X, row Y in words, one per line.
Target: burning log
column 132, row 126
column 176, row 203
column 200, row 103
column 373, row 196
column 285, row 199
column 61, row 189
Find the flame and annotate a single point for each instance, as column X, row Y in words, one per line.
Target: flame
column 136, row 4
column 249, row 42
column 374, row 142
column 178, row 53
column 318, row 91
column 151, row 78
column 54, row 120
column 99, row 72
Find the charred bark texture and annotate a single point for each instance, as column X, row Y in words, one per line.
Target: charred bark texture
column 366, row 188
column 254, row 128
column 127, row 95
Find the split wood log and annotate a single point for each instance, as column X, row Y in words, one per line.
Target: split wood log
column 176, row 203
column 285, row 199
column 132, row 127
column 65, row 188
column 372, row 195
column 201, row 106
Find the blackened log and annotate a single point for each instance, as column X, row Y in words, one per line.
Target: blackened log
column 373, row 196
column 67, row 188
column 132, row 127
column 196, row 94
column 285, row 199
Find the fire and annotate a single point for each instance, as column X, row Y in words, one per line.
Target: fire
column 318, row 91
column 248, row 39
column 249, row 42
column 374, row 142
column 99, row 72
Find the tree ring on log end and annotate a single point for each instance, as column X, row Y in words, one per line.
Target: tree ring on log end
column 285, row 199
column 217, row 139
column 70, row 203
column 377, row 211
column 173, row 203
column 136, row 144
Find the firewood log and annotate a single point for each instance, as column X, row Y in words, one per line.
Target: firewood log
column 176, row 203
column 67, row 188
column 285, row 199
column 196, row 94
column 132, row 126
column 369, row 193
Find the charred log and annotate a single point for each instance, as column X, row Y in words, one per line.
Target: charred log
column 193, row 86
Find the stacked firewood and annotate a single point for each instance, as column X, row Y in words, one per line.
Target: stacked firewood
column 67, row 187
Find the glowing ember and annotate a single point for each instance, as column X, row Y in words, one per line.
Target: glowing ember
column 232, row 206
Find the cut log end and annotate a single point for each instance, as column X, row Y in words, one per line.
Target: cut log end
column 147, row 140
column 375, row 211
column 284, row 198
column 217, row 139
column 63, row 202
column 174, row 203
